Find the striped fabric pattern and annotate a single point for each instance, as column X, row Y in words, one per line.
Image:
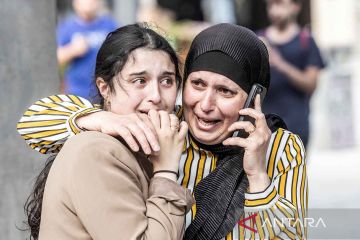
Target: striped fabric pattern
column 49, row 122
column 276, row 213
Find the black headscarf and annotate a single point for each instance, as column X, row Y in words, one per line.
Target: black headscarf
column 237, row 53
column 230, row 50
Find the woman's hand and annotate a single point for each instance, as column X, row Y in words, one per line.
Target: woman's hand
column 171, row 135
column 136, row 129
column 255, row 146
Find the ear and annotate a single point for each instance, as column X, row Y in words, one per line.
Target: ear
column 103, row 87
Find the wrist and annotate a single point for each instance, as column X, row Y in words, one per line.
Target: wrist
column 166, row 168
column 88, row 122
column 159, row 165
column 258, row 182
column 169, row 174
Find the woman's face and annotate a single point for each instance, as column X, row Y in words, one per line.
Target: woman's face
column 211, row 104
column 281, row 11
column 147, row 81
column 86, row 9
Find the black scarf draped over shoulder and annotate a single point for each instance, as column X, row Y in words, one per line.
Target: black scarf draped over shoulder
column 220, row 196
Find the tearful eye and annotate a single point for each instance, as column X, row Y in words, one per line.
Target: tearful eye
column 226, row 92
column 139, row 81
column 167, row 82
column 197, row 83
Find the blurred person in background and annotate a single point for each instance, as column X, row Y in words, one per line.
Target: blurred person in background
column 295, row 65
column 79, row 38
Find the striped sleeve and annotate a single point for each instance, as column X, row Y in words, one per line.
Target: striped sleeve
column 178, row 111
column 49, row 122
column 279, row 211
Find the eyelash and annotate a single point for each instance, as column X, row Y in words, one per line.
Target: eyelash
column 136, row 81
column 142, row 81
column 228, row 91
column 168, row 79
column 199, row 84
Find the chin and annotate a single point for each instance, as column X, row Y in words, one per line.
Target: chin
column 206, row 138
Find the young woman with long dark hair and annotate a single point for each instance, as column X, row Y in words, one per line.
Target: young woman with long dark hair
column 96, row 187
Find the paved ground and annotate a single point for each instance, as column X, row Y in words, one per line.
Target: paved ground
column 334, row 186
column 334, row 179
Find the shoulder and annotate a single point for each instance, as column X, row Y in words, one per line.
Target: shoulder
column 261, row 32
column 66, row 29
column 282, row 137
column 91, row 138
column 68, row 22
column 307, row 39
column 107, row 20
column 95, row 149
column 284, row 142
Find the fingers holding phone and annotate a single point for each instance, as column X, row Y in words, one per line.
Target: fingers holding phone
column 257, row 141
column 253, row 127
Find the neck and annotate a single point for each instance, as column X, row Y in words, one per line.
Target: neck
column 87, row 18
column 285, row 27
column 282, row 33
column 218, row 149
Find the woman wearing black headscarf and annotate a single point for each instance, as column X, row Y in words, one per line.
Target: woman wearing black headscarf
column 254, row 187
column 223, row 63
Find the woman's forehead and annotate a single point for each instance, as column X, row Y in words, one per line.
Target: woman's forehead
column 214, row 78
column 149, row 59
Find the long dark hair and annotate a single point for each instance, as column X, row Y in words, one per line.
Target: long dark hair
column 118, row 45
column 110, row 60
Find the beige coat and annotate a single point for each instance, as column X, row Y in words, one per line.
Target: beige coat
column 97, row 189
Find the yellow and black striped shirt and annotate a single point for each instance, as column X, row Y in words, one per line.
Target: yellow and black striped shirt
column 276, row 213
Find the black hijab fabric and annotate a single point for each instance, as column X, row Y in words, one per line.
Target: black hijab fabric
column 247, row 57
column 220, row 196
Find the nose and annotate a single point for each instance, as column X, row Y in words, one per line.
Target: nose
column 154, row 93
column 207, row 103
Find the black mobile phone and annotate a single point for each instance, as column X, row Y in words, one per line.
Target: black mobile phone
column 250, row 103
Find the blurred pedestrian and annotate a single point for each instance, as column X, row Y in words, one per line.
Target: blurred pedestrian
column 79, row 38
column 295, row 65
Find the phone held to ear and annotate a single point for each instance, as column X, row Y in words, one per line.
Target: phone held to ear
column 250, row 103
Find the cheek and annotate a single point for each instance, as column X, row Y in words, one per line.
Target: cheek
column 189, row 97
column 125, row 103
column 169, row 97
column 230, row 111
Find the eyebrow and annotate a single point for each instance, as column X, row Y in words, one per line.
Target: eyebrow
column 223, row 86
column 145, row 72
column 138, row 73
column 227, row 87
column 168, row 73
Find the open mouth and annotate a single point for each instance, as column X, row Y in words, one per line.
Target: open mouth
column 207, row 122
column 143, row 111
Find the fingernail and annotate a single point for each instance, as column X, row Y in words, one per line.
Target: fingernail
column 156, row 148
column 136, row 149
